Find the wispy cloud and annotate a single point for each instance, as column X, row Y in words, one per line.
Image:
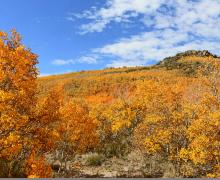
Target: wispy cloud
column 61, row 62
column 88, row 59
column 172, row 26
column 69, row 18
column 153, row 46
column 115, row 11
column 157, row 14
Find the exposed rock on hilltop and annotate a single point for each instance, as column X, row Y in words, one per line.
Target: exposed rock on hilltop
column 187, row 62
column 204, row 53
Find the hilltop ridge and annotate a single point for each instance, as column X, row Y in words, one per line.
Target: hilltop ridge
column 187, row 62
column 182, row 64
column 203, row 53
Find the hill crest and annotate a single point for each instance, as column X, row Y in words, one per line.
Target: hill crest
column 187, row 62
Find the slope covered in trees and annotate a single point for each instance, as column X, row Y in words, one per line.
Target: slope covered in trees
column 170, row 112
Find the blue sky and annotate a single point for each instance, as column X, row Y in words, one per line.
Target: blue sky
column 73, row 35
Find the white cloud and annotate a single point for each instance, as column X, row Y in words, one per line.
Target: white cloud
column 153, row 46
column 115, row 11
column 92, row 59
column 61, row 62
column 173, row 26
column 93, row 27
column 126, row 63
column 89, row 59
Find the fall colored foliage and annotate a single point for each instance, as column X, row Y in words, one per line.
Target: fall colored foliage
column 170, row 110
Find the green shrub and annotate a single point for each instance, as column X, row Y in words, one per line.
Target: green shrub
column 117, row 149
column 94, row 159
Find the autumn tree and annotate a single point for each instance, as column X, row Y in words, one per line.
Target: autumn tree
column 23, row 128
column 18, row 73
column 118, row 119
column 47, row 119
column 203, row 133
column 181, row 122
column 163, row 130
column 77, row 130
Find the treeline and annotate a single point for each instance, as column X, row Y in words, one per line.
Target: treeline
column 164, row 114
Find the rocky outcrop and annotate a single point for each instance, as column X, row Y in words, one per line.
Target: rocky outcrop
column 187, row 67
column 204, row 53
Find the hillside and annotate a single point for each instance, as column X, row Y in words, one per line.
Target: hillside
column 141, row 98
column 156, row 121
column 110, row 79
column 128, row 102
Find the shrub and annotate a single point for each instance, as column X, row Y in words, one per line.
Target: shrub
column 12, row 169
column 188, row 170
column 119, row 148
column 94, row 159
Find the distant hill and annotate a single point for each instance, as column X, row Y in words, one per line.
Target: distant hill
column 97, row 81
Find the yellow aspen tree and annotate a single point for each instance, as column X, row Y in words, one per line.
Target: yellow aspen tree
column 18, row 123
column 18, row 73
column 163, row 130
column 77, row 129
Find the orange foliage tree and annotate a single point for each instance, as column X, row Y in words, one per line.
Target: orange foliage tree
column 203, row 133
column 77, row 129
column 17, row 94
column 165, row 118
column 181, row 122
column 18, row 75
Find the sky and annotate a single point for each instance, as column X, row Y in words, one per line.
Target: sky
column 75, row 35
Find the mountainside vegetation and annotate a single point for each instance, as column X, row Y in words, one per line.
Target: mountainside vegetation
column 169, row 112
